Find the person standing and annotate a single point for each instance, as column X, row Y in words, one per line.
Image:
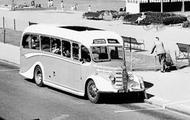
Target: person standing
column 62, row 5
column 33, row 3
column 75, row 6
column 52, row 3
column 89, row 8
column 48, row 4
column 160, row 52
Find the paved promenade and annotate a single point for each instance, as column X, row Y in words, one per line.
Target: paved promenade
column 10, row 53
column 169, row 90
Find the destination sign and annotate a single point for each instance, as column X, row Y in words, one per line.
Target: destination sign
column 99, row 41
column 113, row 41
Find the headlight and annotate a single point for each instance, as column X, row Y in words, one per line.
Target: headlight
column 131, row 77
column 136, row 81
column 112, row 78
column 141, row 81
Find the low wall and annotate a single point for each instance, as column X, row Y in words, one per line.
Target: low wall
column 10, row 53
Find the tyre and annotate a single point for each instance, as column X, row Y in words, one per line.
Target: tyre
column 92, row 92
column 38, row 76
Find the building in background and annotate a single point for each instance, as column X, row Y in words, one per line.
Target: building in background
column 136, row 6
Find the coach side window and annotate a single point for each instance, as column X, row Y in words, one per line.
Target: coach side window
column 85, row 54
column 56, row 46
column 66, row 49
column 26, row 41
column 45, row 43
column 75, row 48
column 35, row 42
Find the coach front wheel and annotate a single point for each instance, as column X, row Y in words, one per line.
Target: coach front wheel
column 38, row 76
column 92, row 92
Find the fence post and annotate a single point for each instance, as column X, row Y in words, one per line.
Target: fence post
column 188, row 56
column 131, row 61
column 14, row 24
column 4, row 31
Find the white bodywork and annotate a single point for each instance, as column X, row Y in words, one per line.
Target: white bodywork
column 70, row 75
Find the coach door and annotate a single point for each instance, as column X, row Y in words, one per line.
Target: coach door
column 75, row 68
column 86, row 68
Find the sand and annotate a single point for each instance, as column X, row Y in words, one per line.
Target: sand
column 82, row 4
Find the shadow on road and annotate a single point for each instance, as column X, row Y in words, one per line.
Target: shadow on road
column 108, row 98
column 7, row 66
column 2, row 118
column 131, row 97
column 121, row 98
column 30, row 80
column 55, row 89
column 148, row 84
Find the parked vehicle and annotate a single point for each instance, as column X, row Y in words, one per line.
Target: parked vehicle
column 81, row 60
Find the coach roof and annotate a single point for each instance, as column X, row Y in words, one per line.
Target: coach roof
column 82, row 34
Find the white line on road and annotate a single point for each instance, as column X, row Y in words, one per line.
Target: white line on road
column 62, row 117
column 177, row 102
column 7, row 70
column 150, row 109
column 77, row 102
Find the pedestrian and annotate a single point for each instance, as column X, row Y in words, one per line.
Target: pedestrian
column 75, row 6
column 140, row 18
column 33, row 3
column 160, row 52
column 52, row 3
column 89, row 8
column 62, row 5
column 49, row 3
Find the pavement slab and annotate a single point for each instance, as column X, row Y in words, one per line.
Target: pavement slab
column 169, row 90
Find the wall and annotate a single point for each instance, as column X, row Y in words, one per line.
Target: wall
column 10, row 53
column 132, row 7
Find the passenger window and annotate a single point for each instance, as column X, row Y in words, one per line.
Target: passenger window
column 26, row 42
column 45, row 43
column 35, row 43
column 75, row 51
column 66, row 49
column 85, row 54
column 56, row 46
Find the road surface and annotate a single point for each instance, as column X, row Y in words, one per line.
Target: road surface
column 21, row 99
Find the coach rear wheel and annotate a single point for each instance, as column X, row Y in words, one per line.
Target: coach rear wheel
column 38, row 76
column 92, row 92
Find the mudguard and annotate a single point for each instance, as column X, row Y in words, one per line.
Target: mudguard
column 30, row 72
column 102, row 84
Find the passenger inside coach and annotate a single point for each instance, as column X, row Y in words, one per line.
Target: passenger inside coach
column 66, row 49
column 56, row 49
column 85, row 54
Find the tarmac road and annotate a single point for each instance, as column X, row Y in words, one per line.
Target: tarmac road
column 21, row 99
